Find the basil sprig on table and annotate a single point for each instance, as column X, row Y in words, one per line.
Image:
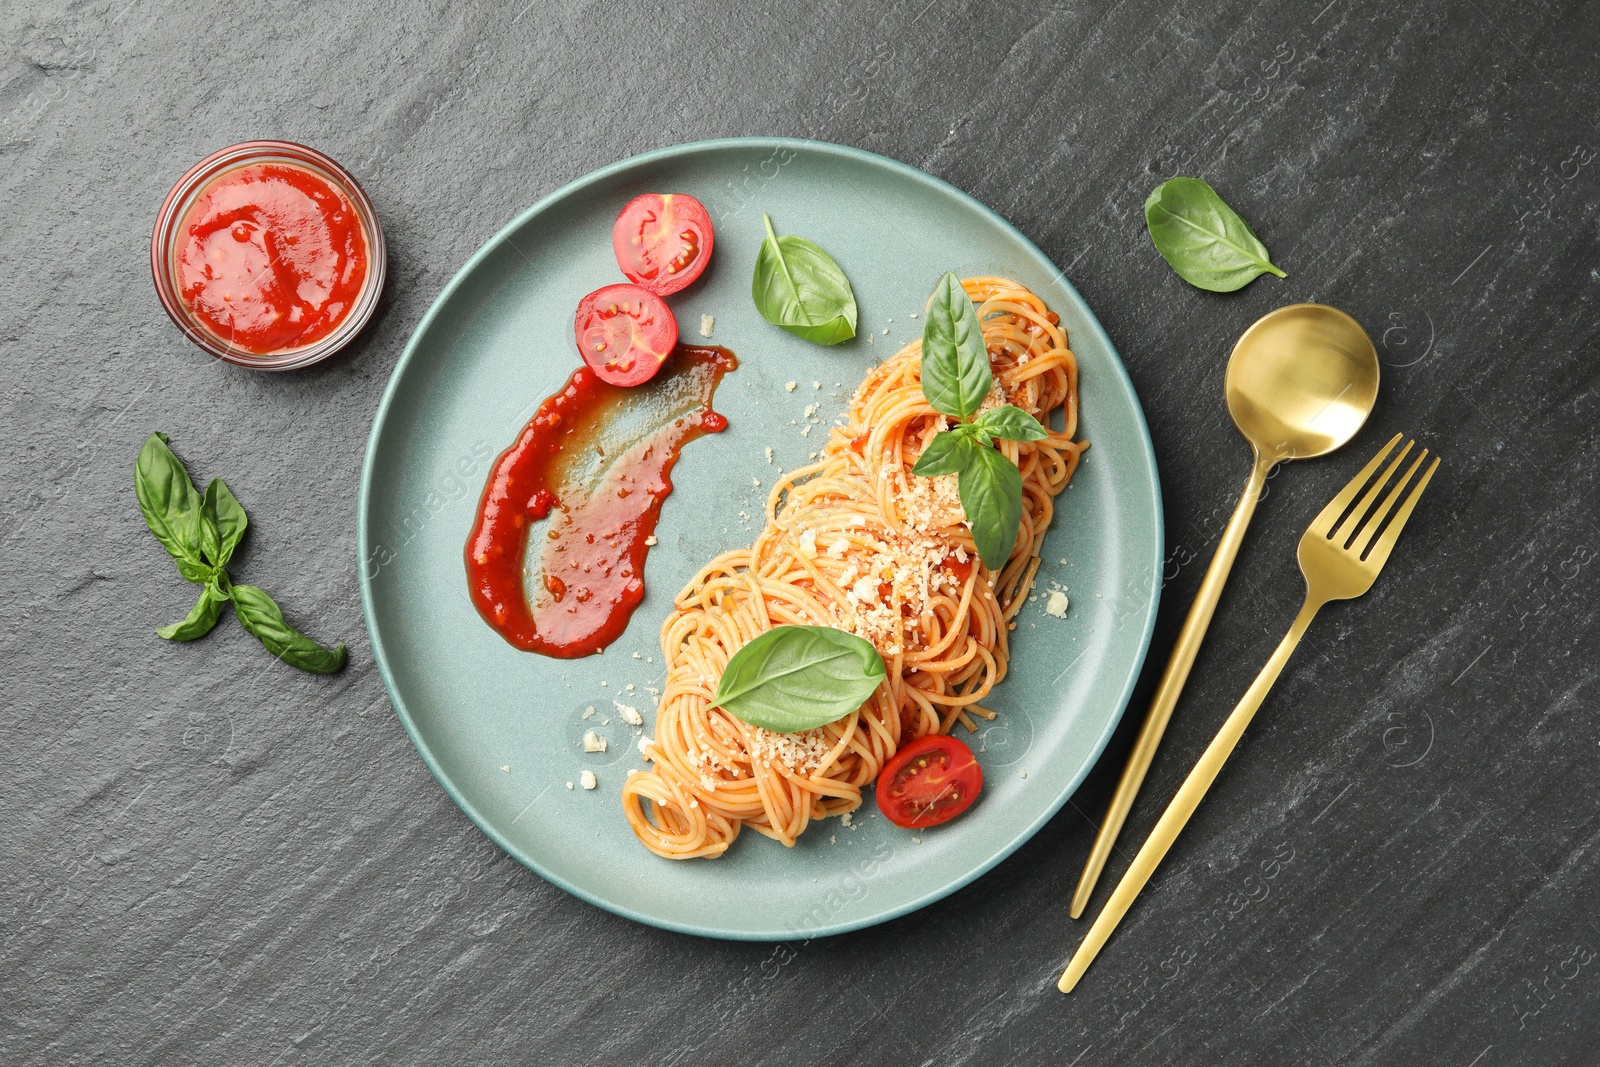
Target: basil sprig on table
column 1204, row 239
column 798, row 678
column 956, row 380
column 200, row 533
column 799, row 287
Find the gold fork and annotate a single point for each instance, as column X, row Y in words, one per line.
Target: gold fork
column 1340, row 554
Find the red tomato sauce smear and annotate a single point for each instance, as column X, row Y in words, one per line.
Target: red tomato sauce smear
column 593, row 465
column 272, row 257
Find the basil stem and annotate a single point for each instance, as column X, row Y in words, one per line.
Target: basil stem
column 956, row 378
column 1204, row 239
column 798, row 678
column 260, row 615
column 799, row 287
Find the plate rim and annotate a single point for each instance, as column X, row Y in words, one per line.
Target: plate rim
column 363, row 539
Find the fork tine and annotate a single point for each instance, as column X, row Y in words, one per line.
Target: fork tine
column 1352, row 524
column 1364, row 535
column 1380, row 551
column 1330, row 514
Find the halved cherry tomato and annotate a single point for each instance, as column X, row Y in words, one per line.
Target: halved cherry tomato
column 625, row 333
column 663, row 242
column 930, row 781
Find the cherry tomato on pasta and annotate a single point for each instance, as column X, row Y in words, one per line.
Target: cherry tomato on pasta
column 929, row 781
column 625, row 333
column 663, row 242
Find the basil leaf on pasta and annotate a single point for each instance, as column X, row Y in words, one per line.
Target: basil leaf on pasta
column 991, row 495
column 794, row 678
column 955, row 364
column 947, row 453
column 1011, row 424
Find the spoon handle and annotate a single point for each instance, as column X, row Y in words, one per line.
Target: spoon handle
column 1172, row 680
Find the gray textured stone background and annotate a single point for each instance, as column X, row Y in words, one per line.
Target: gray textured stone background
column 208, row 857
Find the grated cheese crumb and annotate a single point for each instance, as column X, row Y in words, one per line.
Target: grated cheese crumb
column 644, row 744
column 707, row 324
column 846, row 818
column 803, row 750
column 1057, row 604
column 593, row 742
column 629, row 715
column 790, row 386
column 769, row 453
column 588, row 711
column 650, row 540
column 816, row 385
column 505, row 768
column 569, row 785
column 588, row 780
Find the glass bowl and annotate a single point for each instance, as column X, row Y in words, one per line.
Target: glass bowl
column 166, row 243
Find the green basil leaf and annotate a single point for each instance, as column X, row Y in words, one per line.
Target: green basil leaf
column 226, row 516
column 172, row 507
column 261, row 616
column 1204, row 239
column 198, row 573
column 1012, row 424
column 948, row 453
column 991, row 495
column 202, row 617
column 799, row 677
column 955, row 364
column 799, row 287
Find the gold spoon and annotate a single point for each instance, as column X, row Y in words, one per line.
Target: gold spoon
column 1301, row 382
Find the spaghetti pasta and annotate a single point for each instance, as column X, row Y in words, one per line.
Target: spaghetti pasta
column 855, row 541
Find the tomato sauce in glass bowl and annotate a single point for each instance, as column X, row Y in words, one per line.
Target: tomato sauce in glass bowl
column 269, row 255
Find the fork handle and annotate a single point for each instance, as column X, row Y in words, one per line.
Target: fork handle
column 1187, row 800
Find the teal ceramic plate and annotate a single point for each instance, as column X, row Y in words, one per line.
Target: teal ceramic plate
column 502, row 729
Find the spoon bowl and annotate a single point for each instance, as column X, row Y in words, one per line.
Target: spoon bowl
column 1301, row 381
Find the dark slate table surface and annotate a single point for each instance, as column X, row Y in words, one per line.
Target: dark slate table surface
column 206, row 862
